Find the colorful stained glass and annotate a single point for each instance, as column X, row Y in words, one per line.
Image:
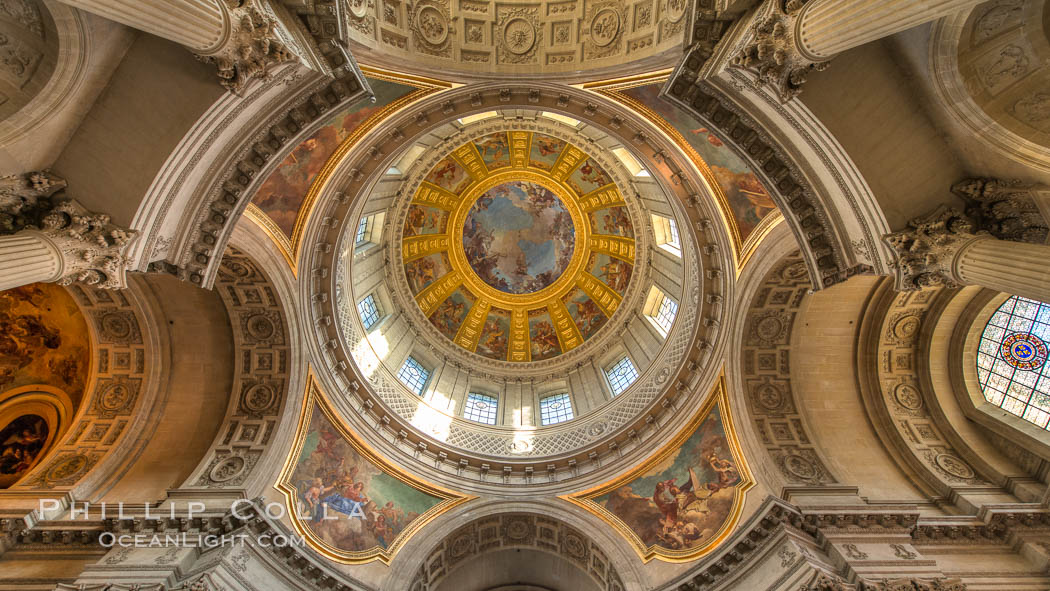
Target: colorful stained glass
column 1011, row 359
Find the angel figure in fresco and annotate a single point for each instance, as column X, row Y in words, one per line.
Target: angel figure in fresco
column 592, row 174
column 547, row 147
column 616, row 274
column 422, row 273
column 495, row 147
column 544, row 338
column 495, row 338
column 617, row 220
column 447, row 169
column 727, row 474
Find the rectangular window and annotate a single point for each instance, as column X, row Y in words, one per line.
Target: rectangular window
column 480, row 408
column 665, row 315
column 361, row 229
column 413, row 375
column 555, row 409
column 622, row 375
column 666, row 232
column 369, row 311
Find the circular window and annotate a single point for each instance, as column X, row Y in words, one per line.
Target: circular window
column 1011, row 359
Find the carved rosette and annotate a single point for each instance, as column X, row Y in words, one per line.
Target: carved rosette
column 927, row 249
column 771, row 50
column 91, row 247
column 519, row 35
column 605, row 26
column 253, row 46
column 432, row 31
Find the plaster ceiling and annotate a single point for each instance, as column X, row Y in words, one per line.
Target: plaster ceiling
column 518, row 246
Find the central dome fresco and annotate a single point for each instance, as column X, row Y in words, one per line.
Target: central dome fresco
column 518, row 237
column 518, row 246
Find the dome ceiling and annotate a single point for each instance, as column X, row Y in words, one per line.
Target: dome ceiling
column 518, row 246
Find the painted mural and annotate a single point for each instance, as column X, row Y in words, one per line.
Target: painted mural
column 346, row 498
column 518, row 237
column 584, row 312
column 612, row 220
column 451, row 312
column 449, row 175
column 747, row 197
column 611, row 271
column 494, row 150
column 283, row 192
column 423, row 271
column 495, row 334
column 544, row 151
column 686, row 498
column 21, row 445
column 543, row 339
column 43, row 339
column 588, row 177
column 425, row 220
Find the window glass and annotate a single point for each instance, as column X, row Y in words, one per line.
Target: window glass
column 1011, row 359
column 413, row 375
column 480, row 408
column 555, row 409
column 622, row 375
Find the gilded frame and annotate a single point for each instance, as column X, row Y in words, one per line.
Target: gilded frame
column 717, row 397
column 315, row 396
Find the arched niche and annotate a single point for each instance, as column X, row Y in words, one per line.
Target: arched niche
column 32, row 418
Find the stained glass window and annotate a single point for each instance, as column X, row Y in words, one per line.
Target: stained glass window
column 480, row 408
column 369, row 311
column 361, row 228
column 622, row 375
column 1011, row 359
column 555, row 409
column 413, row 375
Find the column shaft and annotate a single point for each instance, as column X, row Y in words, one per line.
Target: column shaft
column 27, row 257
column 1011, row 267
column 200, row 25
column 828, row 27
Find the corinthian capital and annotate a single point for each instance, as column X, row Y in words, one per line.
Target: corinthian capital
column 926, row 250
column 252, row 47
column 771, row 50
column 1007, row 209
column 92, row 248
column 25, row 199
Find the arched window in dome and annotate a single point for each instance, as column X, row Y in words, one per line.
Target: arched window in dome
column 1011, row 359
column 480, row 408
column 622, row 375
column 413, row 375
column 556, row 408
column 369, row 231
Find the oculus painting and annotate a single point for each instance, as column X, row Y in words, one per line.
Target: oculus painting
column 683, row 501
column 22, row 444
column 518, row 237
column 346, row 501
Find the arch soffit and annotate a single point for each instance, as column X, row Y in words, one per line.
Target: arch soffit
column 823, row 196
column 326, row 226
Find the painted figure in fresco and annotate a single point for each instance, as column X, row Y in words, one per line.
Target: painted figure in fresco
column 544, row 339
column 547, row 146
column 727, row 474
column 421, row 273
column 616, row 274
column 448, row 316
column 20, row 444
column 493, row 338
column 616, row 221
column 592, row 174
column 588, row 316
column 494, row 147
column 445, row 175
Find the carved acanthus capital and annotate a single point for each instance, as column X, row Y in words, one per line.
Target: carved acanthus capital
column 927, row 249
column 252, row 47
column 91, row 247
column 25, row 199
column 771, row 50
column 1007, row 209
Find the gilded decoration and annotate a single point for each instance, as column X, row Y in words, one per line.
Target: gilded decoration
column 344, row 498
column 682, row 502
column 518, row 229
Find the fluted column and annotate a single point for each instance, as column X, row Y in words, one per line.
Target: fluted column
column 787, row 39
column 828, row 27
column 238, row 36
column 201, row 25
column 1010, row 267
column 27, row 257
column 45, row 236
column 946, row 249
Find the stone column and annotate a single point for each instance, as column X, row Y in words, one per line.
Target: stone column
column 47, row 237
column 944, row 248
column 828, row 27
column 787, row 39
column 238, row 36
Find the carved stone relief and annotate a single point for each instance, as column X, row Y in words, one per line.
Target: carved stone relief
column 261, row 373
column 767, row 374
